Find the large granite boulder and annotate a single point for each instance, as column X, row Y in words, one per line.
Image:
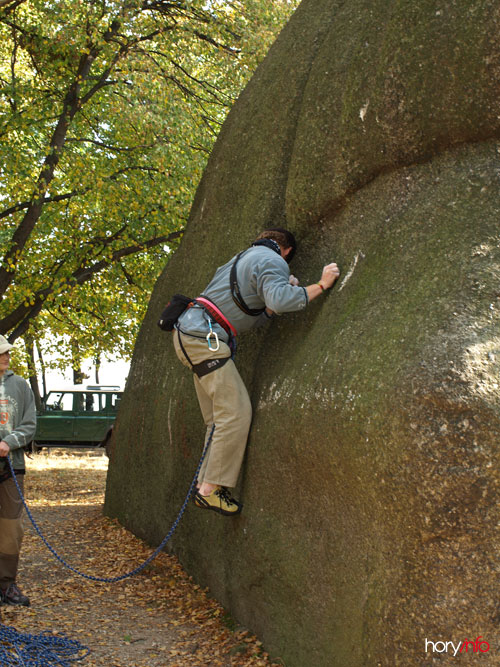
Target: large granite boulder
column 371, row 481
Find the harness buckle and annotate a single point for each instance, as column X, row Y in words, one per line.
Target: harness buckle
column 210, row 335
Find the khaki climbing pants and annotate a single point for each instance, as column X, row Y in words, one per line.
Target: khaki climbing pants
column 11, row 529
column 224, row 401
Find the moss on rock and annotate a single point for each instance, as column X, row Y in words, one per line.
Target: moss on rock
column 371, row 477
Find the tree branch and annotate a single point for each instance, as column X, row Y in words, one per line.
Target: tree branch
column 210, row 88
column 110, row 147
column 71, row 106
column 75, row 193
column 9, row 5
column 129, row 278
column 47, row 200
column 212, row 41
column 19, row 320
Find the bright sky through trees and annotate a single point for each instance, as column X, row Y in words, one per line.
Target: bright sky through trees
column 108, row 111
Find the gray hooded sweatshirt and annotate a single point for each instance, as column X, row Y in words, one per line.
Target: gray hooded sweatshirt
column 17, row 416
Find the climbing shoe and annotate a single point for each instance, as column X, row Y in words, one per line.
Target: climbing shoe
column 12, row 595
column 220, row 500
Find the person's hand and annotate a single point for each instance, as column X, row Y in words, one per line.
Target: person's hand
column 4, row 448
column 330, row 274
column 293, row 280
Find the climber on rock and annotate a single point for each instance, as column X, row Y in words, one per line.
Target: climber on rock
column 244, row 293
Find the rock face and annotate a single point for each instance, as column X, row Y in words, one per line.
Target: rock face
column 371, row 481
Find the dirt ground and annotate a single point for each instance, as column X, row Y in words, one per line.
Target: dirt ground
column 159, row 618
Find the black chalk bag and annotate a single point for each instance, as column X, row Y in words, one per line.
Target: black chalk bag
column 173, row 310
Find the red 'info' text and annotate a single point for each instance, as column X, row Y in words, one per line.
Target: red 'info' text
column 454, row 648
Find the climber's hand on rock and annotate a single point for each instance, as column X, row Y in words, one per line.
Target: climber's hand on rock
column 330, row 274
column 293, row 280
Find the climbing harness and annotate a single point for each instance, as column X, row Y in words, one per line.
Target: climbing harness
column 212, row 335
column 214, row 311
column 156, row 552
column 204, row 367
column 236, row 294
column 180, row 303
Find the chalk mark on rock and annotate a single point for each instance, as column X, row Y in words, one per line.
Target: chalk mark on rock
column 348, row 275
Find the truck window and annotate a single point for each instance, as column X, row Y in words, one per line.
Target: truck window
column 60, row 401
column 115, row 401
column 92, row 403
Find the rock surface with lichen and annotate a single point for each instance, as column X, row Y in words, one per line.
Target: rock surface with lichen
column 371, row 481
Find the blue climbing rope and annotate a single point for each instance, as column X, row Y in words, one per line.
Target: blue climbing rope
column 18, row 649
column 156, row 552
column 46, row 649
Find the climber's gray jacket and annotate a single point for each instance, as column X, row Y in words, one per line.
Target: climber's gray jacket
column 17, row 416
column 263, row 281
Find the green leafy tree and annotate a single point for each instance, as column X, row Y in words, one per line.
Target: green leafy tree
column 108, row 111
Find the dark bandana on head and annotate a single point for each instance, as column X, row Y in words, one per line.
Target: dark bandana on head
column 269, row 243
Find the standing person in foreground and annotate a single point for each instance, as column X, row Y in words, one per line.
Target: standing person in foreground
column 243, row 294
column 17, row 429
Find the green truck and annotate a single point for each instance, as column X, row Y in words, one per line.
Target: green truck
column 77, row 417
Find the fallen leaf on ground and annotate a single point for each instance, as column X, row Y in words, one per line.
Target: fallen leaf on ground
column 158, row 618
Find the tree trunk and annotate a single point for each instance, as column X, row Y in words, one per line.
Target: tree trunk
column 42, row 367
column 33, row 379
column 97, row 368
column 78, row 375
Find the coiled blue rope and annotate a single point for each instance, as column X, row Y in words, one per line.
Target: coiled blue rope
column 156, row 552
column 19, row 649
column 46, row 650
